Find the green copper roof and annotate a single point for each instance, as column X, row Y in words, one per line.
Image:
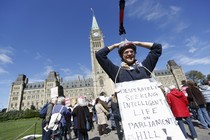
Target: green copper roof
column 94, row 22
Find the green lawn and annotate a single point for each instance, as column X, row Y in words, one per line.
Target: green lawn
column 16, row 129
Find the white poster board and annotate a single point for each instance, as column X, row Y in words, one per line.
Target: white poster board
column 145, row 112
column 54, row 92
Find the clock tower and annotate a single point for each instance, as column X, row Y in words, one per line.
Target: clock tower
column 101, row 81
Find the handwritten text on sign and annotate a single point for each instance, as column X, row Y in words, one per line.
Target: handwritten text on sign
column 145, row 113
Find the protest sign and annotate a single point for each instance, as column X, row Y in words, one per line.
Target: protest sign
column 54, row 92
column 145, row 112
column 67, row 101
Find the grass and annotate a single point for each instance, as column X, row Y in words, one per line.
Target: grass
column 16, row 129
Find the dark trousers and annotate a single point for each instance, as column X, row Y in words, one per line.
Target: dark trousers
column 45, row 135
column 117, row 120
column 102, row 129
column 190, row 125
column 60, row 133
column 208, row 108
column 82, row 134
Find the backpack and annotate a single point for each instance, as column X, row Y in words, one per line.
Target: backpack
column 43, row 111
column 55, row 120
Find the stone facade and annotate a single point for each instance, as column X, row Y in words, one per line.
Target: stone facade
column 23, row 95
column 173, row 75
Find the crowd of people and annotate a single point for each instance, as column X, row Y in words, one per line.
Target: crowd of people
column 106, row 108
column 80, row 118
column 179, row 100
column 189, row 102
column 73, row 122
column 129, row 70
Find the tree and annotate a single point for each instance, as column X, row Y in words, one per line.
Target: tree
column 208, row 77
column 4, row 110
column 33, row 107
column 194, row 75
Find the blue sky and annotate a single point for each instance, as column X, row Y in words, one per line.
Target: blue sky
column 38, row 36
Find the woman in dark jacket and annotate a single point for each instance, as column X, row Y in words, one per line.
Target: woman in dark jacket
column 195, row 95
column 79, row 115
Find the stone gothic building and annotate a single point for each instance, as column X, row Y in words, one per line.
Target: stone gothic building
column 23, row 95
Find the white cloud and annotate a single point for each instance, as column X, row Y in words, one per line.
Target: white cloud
column 174, row 10
column 184, row 60
column 39, row 77
column 7, row 50
column 66, row 71
column 5, row 82
column 5, row 59
column 3, row 71
column 85, row 70
column 38, row 56
column 181, row 26
column 151, row 10
column 192, row 49
column 130, row 2
column 192, row 41
column 49, row 61
column 147, row 10
column 166, row 15
column 194, row 44
column 48, row 69
column 72, row 77
column 5, row 55
column 31, row 80
column 166, row 45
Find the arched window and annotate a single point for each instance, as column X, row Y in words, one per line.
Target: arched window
column 101, row 82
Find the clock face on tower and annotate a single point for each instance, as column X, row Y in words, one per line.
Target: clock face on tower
column 95, row 34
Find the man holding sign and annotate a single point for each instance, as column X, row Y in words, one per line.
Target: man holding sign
column 130, row 68
column 143, row 108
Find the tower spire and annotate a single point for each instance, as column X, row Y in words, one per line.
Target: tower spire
column 94, row 22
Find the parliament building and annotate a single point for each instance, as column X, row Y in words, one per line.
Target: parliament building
column 23, row 95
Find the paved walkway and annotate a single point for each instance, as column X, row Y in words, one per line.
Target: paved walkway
column 94, row 135
column 203, row 134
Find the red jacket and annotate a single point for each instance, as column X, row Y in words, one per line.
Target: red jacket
column 178, row 103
